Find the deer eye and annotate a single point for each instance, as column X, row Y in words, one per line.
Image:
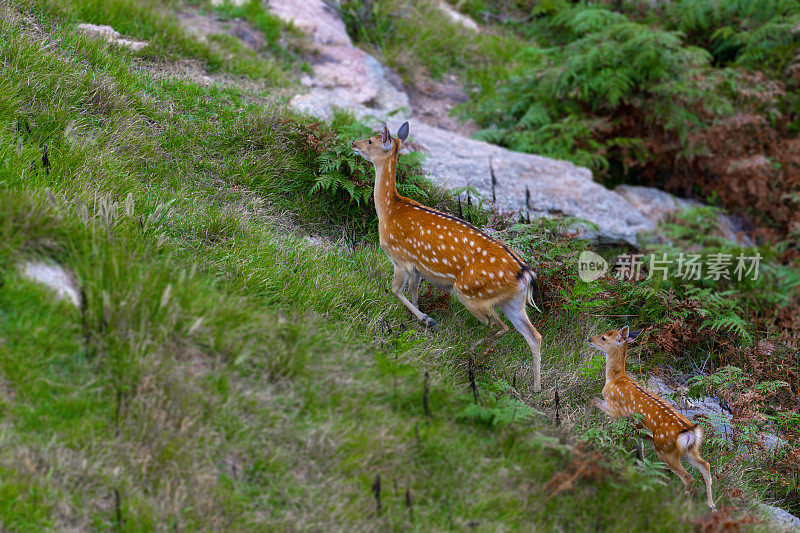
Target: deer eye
column 603, row 338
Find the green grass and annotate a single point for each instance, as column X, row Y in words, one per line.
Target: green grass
column 225, row 374
column 156, row 23
column 409, row 36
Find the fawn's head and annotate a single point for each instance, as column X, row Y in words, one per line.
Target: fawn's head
column 383, row 145
column 612, row 340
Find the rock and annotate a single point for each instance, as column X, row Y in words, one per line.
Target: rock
column 110, row 35
column 54, row 276
column 458, row 18
column 655, row 205
column 344, row 76
column 556, row 187
column 315, row 18
column 780, row 518
column 354, row 80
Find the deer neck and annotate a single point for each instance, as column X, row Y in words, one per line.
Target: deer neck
column 615, row 363
column 385, row 186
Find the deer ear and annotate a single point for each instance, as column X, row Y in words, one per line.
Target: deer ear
column 634, row 334
column 386, row 137
column 622, row 335
column 402, row 133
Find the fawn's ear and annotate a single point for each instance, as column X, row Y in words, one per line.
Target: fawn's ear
column 386, row 137
column 633, row 334
column 622, row 335
column 402, row 133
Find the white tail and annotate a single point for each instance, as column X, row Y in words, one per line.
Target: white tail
column 447, row 252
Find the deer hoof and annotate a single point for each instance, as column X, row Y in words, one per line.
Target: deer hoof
column 430, row 323
column 713, row 508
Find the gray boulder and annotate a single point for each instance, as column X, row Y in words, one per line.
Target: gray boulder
column 110, row 35
column 785, row 520
column 553, row 187
column 655, row 205
column 344, row 76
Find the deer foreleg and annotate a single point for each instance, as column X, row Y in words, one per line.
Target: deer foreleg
column 413, row 287
column 398, row 281
column 602, row 405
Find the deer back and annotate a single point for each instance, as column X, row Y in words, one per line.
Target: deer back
column 448, row 248
column 625, row 396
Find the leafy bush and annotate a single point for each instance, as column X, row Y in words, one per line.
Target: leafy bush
column 693, row 96
column 561, row 101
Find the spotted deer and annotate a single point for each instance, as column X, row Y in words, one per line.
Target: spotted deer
column 449, row 253
column 674, row 436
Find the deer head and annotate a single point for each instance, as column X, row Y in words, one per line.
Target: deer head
column 612, row 340
column 381, row 146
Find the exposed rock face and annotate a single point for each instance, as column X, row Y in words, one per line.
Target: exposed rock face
column 344, row 76
column 555, row 187
column 111, row 35
column 655, row 204
column 780, row 518
column 55, row 277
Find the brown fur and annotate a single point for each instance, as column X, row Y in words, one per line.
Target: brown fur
column 449, row 253
column 674, row 436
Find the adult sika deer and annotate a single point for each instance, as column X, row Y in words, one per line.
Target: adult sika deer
column 674, row 436
column 447, row 252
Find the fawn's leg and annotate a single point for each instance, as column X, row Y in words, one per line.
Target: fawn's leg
column 603, row 406
column 398, row 281
column 673, row 462
column 705, row 469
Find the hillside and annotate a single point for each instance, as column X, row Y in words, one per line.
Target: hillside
column 235, row 360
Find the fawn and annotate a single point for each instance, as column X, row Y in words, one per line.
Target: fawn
column 447, row 252
column 674, row 436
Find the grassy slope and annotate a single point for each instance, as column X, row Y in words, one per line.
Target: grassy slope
column 225, row 374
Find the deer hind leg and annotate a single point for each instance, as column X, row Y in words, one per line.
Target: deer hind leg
column 398, row 281
column 705, row 469
column 515, row 311
column 673, row 462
